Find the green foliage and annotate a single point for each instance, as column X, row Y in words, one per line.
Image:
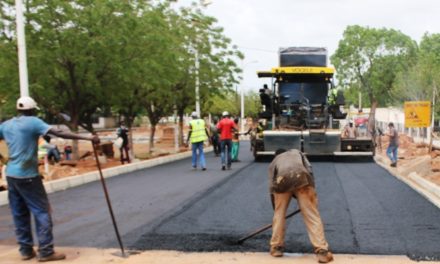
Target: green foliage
column 125, row 57
column 252, row 104
column 421, row 81
column 228, row 101
column 9, row 87
column 370, row 59
column 231, row 102
column 199, row 38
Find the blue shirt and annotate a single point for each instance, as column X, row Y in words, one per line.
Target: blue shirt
column 21, row 135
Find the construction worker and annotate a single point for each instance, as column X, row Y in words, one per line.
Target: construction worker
column 226, row 129
column 290, row 174
column 350, row 131
column 215, row 141
column 333, row 93
column 394, row 144
column 26, row 192
column 235, row 143
column 197, row 134
column 122, row 132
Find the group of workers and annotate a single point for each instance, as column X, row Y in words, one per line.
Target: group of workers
column 290, row 175
column 223, row 136
column 350, row 132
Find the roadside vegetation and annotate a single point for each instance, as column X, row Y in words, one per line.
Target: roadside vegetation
column 125, row 58
column 387, row 67
column 138, row 58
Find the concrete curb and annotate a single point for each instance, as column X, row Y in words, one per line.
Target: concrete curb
column 424, row 187
column 73, row 181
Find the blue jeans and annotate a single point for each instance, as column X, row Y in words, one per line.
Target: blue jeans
column 53, row 153
column 28, row 196
column 223, row 144
column 392, row 153
column 198, row 146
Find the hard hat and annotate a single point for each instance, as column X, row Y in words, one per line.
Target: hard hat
column 194, row 115
column 225, row 113
column 26, row 103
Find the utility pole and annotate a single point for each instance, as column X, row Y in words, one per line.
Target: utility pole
column 431, row 129
column 204, row 4
column 21, row 46
column 197, row 84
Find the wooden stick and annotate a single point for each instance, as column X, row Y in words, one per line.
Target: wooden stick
column 261, row 229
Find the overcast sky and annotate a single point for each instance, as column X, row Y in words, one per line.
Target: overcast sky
column 260, row 27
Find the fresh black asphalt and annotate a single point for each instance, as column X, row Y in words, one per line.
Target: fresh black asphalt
column 365, row 210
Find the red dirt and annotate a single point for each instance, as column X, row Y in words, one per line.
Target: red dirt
column 409, row 152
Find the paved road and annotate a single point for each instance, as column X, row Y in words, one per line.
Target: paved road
column 365, row 210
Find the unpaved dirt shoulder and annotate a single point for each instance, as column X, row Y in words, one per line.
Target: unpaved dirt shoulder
column 9, row 255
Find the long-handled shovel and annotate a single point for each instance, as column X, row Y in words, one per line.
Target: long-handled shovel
column 107, row 198
column 261, row 229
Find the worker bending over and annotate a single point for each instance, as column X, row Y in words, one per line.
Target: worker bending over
column 290, row 174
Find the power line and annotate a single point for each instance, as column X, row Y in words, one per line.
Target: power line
column 257, row 49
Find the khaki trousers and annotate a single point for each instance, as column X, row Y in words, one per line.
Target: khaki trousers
column 308, row 203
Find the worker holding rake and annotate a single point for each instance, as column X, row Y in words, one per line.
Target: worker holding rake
column 290, row 174
column 26, row 192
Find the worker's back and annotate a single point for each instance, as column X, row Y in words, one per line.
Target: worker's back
column 21, row 135
column 289, row 171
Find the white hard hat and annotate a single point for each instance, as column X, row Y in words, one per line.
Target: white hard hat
column 225, row 113
column 194, row 114
column 26, row 103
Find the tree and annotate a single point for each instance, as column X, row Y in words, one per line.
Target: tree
column 420, row 82
column 370, row 59
column 128, row 57
column 252, row 104
column 146, row 74
column 9, row 86
column 199, row 37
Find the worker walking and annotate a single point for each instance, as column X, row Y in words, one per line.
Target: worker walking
column 215, row 140
column 197, row 134
column 394, row 144
column 226, row 129
column 26, row 192
column 290, row 174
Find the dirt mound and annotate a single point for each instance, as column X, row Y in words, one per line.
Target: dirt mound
column 415, row 157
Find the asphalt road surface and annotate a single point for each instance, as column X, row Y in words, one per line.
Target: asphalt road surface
column 365, row 210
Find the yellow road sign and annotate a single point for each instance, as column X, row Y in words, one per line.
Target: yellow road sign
column 417, row 114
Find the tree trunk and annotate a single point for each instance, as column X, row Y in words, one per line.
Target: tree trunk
column 75, row 127
column 372, row 117
column 372, row 122
column 181, row 135
column 152, row 132
column 130, row 137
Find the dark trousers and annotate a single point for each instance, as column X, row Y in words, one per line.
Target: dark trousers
column 226, row 154
column 216, row 145
column 127, row 157
column 28, row 196
column 54, row 154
